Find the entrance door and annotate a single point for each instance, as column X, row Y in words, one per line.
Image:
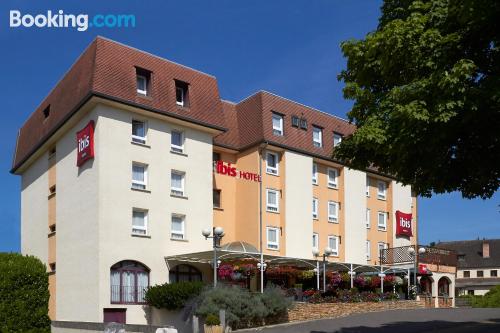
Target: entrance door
column 115, row 316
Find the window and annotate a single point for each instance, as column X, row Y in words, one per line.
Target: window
column 177, row 183
column 303, row 123
column 333, row 210
column 272, row 163
column 317, row 137
column 315, row 241
column 333, row 175
column 184, row 272
column 277, row 124
column 272, row 201
column 382, row 221
column 493, row 273
column 368, row 250
column 129, row 282
column 315, row 208
column 139, row 176
column 215, row 156
column 333, row 243
column 368, row 218
column 295, row 121
column 177, row 142
column 480, row 274
column 337, row 139
column 216, row 197
column 181, row 93
column 470, row 292
column 466, row 274
column 139, row 222
column 381, row 246
column 315, row 174
column 177, row 228
column 273, row 240
column 46, row 112
column 367, row 186
column 139, row 130
column 381, row 190
column 143, row 78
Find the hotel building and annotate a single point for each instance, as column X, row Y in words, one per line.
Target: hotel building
column 130, row 156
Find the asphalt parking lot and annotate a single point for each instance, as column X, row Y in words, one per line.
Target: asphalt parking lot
column 400, row 321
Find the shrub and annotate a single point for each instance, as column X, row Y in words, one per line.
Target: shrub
column 490, row 300
column 172, row 296
column 24, row 294
column 212, row 320
column 243, row 309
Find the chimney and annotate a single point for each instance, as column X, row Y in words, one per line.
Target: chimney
column 486, row 249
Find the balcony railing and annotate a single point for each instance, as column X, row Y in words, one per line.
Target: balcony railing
column 127, row 295
column 432, row 255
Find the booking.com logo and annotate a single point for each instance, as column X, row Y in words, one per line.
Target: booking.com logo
column 61, row 20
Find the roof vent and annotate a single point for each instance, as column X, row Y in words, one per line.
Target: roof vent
column 486, row 250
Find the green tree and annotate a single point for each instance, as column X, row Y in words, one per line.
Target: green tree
column 24, row 294
column 426, row 93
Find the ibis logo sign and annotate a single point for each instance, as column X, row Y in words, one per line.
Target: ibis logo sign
column 85, row 144
column 231, row 171
column 403, row 224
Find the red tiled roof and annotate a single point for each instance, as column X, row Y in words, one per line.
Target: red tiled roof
column 108, row 69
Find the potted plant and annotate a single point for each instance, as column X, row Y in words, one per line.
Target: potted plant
column 212, row 324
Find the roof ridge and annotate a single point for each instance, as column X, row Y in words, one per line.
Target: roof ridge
column 154, row 55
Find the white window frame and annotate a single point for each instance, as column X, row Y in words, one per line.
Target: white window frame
column 368, row 250
column 273, row 245
column 382, row 227
column 367, row 186
column 183, row 96
column 277, row 130
column 337, row 139
column 269, row 169
column 315, row 209
column 178, row 191
column 273, row 208
column 145, row 79
column 381, row 195
column 368, row 218
column 173, row 147
column 315, row 244
column 381, row 246
column 335, row 250
column 137, row 138
column 137, row 184
column 315, row 173
column 182, row 234
column 334, row 218
column 145, row 227
column 318, row 143
column 333, row 183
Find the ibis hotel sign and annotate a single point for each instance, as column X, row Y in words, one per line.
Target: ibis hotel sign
column 231, row 171
column 85, row 144
column 403, row 224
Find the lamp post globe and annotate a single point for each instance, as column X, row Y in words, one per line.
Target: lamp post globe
column 219, row 231
column 421, row 250
column 411, row 250
column 328, row 251
column 206, row 232
column 315, row 252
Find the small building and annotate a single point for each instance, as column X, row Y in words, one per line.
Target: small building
column 478, row 265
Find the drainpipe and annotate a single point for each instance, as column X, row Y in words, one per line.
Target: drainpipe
column 261, row 148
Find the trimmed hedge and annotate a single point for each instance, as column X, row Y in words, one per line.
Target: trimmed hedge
column 490, row 300
column 172, row 296
column 24, row 294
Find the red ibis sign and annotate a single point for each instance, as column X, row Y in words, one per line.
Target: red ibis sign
column 85, row 144
column 231, row 171
column 403, row 224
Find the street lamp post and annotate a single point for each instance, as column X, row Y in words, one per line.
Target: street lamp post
column 413, row 254
column 326, row 253
column 217, row 237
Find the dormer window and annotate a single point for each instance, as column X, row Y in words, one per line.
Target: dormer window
column 46, row 112
column 181, row 93
column 337, row 139
column 143, row 79
column 317, row 137
column 277, row 124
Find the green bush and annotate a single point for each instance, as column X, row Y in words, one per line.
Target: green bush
column 172, row 296
column 490, row 300
column 24, row 294
column 212, row 320
column 243, row 309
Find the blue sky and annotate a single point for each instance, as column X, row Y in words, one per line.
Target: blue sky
column 290, row 48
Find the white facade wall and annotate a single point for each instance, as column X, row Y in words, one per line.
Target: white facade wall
column 401, row 200
column 298, row 207
column 355, row 216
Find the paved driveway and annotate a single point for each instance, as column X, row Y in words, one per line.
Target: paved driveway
column 401, row 321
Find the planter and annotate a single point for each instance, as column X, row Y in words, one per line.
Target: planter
column 212, row 329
